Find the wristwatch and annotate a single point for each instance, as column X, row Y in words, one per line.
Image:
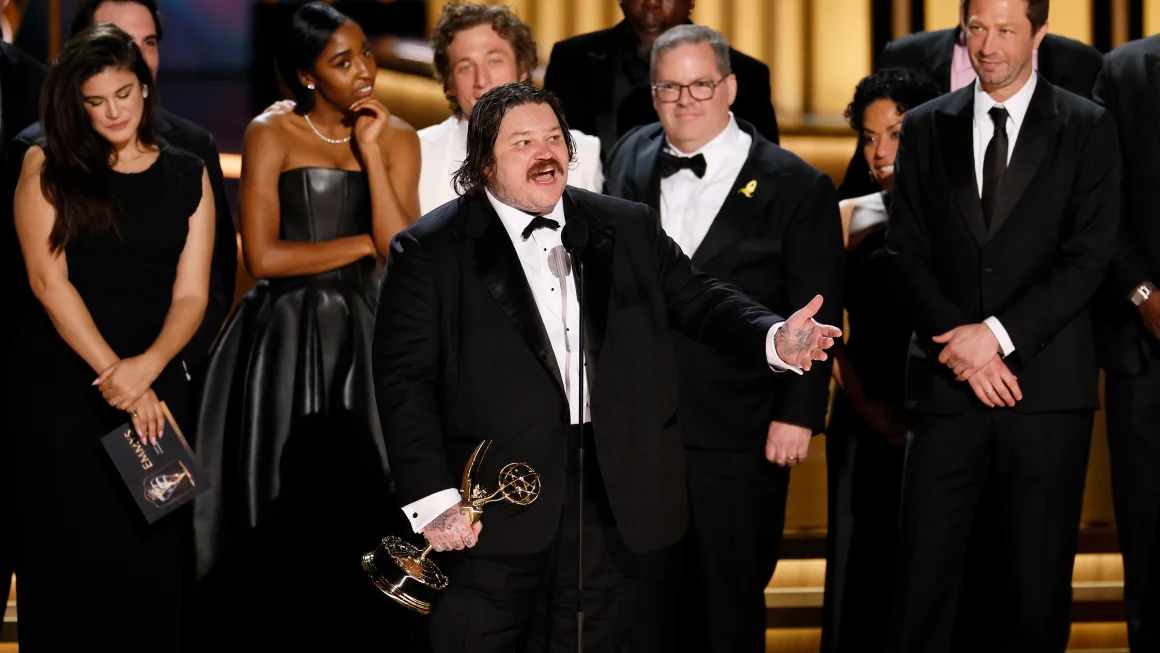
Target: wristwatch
column 1141, row 293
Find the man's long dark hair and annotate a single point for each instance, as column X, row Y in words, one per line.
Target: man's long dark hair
column 77, row 158
column 483, row 129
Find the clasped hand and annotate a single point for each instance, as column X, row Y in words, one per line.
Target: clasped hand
column 970, row 352
column 123, row 382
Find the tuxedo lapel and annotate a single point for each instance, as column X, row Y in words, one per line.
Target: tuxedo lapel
column 646, row 173
column 735, row 211
column 956, row 139
column 942, row 57
column 1037, row 138
column 488, row 248
column 1152, row 66
column 597, row 277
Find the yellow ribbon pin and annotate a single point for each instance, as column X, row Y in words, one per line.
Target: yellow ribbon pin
column 748, row 189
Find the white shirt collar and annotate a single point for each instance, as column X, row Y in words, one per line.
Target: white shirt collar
column 1016, row 105
column 515, row 220
column 720, row 149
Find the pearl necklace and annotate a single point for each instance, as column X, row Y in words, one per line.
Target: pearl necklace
column 336, row 141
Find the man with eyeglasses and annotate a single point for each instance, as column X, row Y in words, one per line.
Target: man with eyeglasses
column 758, row 217
column 602, row 78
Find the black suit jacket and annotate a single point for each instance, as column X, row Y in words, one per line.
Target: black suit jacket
column 1129, row 86
column 181, row 133
column 22, row 77
column 1038, row 265
column 1064, row 62
column 781, row 246
column 581, row 69
column 461, row 355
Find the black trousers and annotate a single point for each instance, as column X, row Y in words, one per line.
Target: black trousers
column 707, row 592
column 527, row 603
column 1133, row 412
column 1034, row 466
column 875, row 486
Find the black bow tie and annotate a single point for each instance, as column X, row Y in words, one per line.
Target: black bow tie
column 671, row 163
column 537, row 223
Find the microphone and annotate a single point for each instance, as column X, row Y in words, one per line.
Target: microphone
column 575, row 239
column 575, row 236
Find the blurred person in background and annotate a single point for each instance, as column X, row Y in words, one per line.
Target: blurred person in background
column 866, row 436
column 603, row 82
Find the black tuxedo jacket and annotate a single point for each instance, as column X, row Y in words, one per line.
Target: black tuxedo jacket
column 1064, row 62
column 581, row 69
column 181, row 133
column 780, row 246
column 1129, row 86
column 22, row 77
column 1037, row 266
column 461, row 355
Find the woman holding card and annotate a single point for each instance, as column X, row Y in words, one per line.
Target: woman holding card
column 117, row 231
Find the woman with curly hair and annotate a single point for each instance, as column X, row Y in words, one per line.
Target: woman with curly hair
column 866, row 438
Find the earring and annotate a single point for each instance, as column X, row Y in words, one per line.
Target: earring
column 310, row 86
column 144, row 91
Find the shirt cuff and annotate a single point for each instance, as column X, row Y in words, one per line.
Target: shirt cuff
column 775, row 361
column 1006, row 347
column 422, row 512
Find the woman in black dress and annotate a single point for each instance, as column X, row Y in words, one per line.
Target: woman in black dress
column 866, row 437
column 117, row 233
column 287, row 423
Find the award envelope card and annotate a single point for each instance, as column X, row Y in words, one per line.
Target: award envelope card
column 160, row 477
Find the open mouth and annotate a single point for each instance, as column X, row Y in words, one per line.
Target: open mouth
column 885, row 171
column 364, row 91
column 544, row 175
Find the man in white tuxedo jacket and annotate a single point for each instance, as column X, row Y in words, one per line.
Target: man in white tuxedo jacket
column 478, row 47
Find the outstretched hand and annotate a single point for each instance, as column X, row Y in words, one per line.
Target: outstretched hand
column 802, row 340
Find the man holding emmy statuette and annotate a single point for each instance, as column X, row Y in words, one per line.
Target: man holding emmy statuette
column 480, row 336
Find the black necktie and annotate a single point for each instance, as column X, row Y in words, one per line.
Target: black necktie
column 670, row 164
column 539, row 222
column 994, row 163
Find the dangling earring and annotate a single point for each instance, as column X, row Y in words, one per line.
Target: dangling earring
column 144, row 91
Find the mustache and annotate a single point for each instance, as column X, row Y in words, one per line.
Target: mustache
column 542, row 166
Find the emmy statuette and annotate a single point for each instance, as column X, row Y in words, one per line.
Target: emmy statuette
column 403, row 572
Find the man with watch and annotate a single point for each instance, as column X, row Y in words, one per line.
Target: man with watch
column 1128, row 324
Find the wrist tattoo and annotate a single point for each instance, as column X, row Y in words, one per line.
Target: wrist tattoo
column 795, row 341
column 445, row 520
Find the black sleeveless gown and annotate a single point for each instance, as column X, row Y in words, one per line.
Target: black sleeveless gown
column 91, row 572
column 289, row 431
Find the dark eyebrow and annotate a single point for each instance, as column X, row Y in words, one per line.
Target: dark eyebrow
column 97, row 97
column 365, row 45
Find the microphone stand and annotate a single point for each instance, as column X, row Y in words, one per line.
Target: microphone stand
column 574, row 237
column 579, row 267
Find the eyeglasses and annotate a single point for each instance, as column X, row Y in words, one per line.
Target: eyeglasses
column 667, row 92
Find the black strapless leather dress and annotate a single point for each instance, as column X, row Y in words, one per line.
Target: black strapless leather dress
column 289, row 432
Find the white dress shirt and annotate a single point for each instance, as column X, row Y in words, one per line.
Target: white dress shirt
column 443, row 148
column 564, row 334
column 984, row 129
column 689, row 203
